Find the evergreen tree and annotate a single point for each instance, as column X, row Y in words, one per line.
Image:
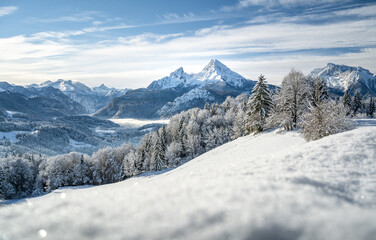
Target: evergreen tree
column 346, row 100
column 158, row 157
column 371, row 108
column 320, row 91
column 181, row 138
column 260, row 104
column 213, row 109
column 363, row 108
column 356, row 103
column 163, row 136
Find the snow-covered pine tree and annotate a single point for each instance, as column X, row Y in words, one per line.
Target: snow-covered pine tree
column 346, row 100
column 371, row 108
column 163, row 136
column 363, row 108
column 181, row 138
column 144, row 153
column 320, row 91
column 158, row 156
column 260, row 104
column 213, row 109
column 356, row 103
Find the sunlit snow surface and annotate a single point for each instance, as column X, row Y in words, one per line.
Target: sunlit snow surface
column 268, row 186
column 132, row 122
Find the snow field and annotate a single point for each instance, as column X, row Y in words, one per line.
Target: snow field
column 267, row 186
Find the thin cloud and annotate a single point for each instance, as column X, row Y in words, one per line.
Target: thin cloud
column 241, row 4
column 80, row 17
column 7, row 10
column 174, row 18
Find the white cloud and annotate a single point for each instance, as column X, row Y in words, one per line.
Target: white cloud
column 170, row 18
column 276, row 3
column 135, row 61
column 97, row 22
column 7, row 10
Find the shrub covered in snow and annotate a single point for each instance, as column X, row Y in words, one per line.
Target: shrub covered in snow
column 325, row 119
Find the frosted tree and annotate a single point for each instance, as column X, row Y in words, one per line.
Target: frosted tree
column 291, row 101
column 260, row 104
column 17, row 178
column 371, row 108
column 356, row 103
column 213, row 109
column 130, row 164
column 240, row 116
column 207, row 106
column 325, row 119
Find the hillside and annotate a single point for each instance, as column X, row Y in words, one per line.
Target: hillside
column 268, row 186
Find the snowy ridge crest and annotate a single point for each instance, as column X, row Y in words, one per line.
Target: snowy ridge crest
column 178, row 78
column 347, row 78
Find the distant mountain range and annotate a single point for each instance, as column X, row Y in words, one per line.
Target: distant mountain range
column 162, row 98
column 179, row 91
column 91, row 99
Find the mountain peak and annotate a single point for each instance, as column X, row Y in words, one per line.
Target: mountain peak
column 177, row 72
column 215, row 65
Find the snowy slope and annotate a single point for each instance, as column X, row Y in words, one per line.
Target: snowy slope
column 268, row 186
column 344, row 77
column 196, row 97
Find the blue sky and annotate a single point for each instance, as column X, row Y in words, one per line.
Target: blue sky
column 131, row 43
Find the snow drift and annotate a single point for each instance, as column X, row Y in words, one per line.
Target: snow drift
column 267, row 186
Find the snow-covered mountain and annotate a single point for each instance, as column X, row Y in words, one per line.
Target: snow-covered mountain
column 213, row 73
column 213, row 84
column 345, row 77
column 91, row 98
column 263, row 186
column 38, row 103
column 65, row 86
column 216, row 72
column 178, row 78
